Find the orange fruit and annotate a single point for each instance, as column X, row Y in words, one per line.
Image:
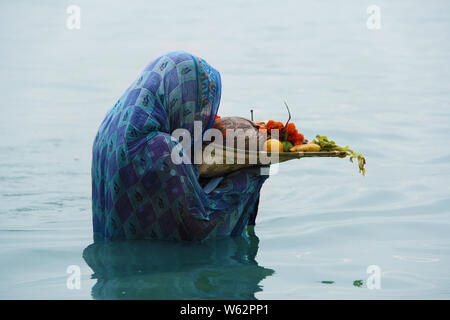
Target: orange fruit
column 273, row 145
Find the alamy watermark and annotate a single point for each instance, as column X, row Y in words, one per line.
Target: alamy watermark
column 374, row 280
column 74, row 19
column 374, row 20
column 221, row 146
column 74, row 279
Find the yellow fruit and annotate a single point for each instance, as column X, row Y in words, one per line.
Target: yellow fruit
column 273, row 145
column 310, row 147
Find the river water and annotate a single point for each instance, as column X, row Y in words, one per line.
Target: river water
column 384, row 92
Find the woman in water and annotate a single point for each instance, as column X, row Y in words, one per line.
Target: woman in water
column 138, row 192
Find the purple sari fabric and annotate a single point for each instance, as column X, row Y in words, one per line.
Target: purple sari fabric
column 138, row 192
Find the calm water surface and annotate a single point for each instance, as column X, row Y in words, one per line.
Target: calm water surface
column 384, row 92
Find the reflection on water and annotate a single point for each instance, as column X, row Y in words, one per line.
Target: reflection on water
column 221, row 269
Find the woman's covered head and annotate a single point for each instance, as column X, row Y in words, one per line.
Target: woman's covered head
column 186, row 88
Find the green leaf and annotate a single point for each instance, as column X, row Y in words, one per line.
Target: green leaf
column 287, row 145
column 326, row 145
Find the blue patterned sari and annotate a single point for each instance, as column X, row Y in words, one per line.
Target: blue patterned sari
column 138, row 192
